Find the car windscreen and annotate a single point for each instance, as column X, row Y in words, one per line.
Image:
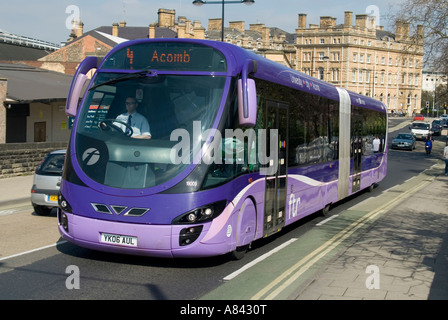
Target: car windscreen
column 52, row 165
column 420, row 125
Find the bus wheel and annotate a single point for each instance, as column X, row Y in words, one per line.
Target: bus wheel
column 326, row 210
column 240, row 252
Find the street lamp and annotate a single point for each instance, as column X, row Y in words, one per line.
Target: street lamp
column 199, row 3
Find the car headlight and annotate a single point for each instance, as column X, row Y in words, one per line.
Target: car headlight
column 201, row 214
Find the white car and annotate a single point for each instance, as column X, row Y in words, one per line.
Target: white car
column 420, row 130
column 46, row 182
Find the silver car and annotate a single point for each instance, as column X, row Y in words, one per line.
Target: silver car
column 404, row 141
column 46, row 182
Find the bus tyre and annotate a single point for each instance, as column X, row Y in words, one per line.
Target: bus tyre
column 239, row 252
column 371, row 187
column 326, row 211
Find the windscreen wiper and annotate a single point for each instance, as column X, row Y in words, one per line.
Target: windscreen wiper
column 129, row 76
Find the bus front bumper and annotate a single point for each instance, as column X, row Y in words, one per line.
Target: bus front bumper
column 139, row 239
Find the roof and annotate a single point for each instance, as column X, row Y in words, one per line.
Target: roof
column 26, row 84
column 254, row 35
column 104, row 34
column 10, row 52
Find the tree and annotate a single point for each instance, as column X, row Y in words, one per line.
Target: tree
column 433, row 16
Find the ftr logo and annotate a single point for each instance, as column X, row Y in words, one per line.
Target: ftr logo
column 91, row 156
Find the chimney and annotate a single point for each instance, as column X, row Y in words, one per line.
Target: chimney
column 181, row 32
column 361, row 21
column 215, row 24
column 420, row 33
column 238, row 25
column 198, row 30
column 166, row 18
column 302, row 21
column 371, row 22
column 122, row 24
column 152, row 31
column 266, row 33
column 348, row 19
column 115, row 29
column 257, row 27
column 327, row 22
column 79, row 29
column 402, row 30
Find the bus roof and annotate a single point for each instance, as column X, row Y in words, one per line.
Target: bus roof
column 266, row 69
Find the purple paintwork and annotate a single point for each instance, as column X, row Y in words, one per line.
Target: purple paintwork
column 241, row 222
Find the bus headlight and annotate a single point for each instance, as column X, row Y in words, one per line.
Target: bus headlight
column 201, row 214
column 63, row 204
column 189, row 235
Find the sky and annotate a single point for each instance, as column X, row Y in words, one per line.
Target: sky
column 49, row 20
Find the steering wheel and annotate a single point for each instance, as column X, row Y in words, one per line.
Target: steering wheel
column 108, row 124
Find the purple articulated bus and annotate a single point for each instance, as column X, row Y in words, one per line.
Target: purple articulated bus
column 192, row 148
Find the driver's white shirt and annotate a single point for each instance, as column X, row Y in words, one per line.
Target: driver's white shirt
column 139, row 124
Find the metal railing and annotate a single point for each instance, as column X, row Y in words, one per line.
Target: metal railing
column 7, row 37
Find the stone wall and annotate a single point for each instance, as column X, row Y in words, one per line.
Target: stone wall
column 18, row 159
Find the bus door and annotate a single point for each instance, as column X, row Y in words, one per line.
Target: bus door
column 357, row 157
column 357, row 150
column 275, row 190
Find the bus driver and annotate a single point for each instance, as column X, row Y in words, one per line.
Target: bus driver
column 137, row 121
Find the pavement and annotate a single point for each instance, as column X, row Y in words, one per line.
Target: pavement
column 401, row 254
column 15, row 190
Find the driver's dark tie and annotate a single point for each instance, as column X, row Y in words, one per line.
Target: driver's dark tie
column 129, row 124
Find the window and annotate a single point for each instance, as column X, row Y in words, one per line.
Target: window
column 335, row 56
column 322, row 41
column 355, row 57
column 312, row 122
column 321, row 73
column 335, row 74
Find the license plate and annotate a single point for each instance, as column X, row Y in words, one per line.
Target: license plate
column 119, row 239
column 52, row 198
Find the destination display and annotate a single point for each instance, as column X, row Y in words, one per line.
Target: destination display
column 167, row 56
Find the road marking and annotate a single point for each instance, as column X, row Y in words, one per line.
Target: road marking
column 293, row 273
column 9, row 211
column 326, row 220
column 259, row 259
column 33, row 250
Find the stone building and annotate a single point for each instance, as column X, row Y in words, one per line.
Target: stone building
column 272, row 43
column 364, row 58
